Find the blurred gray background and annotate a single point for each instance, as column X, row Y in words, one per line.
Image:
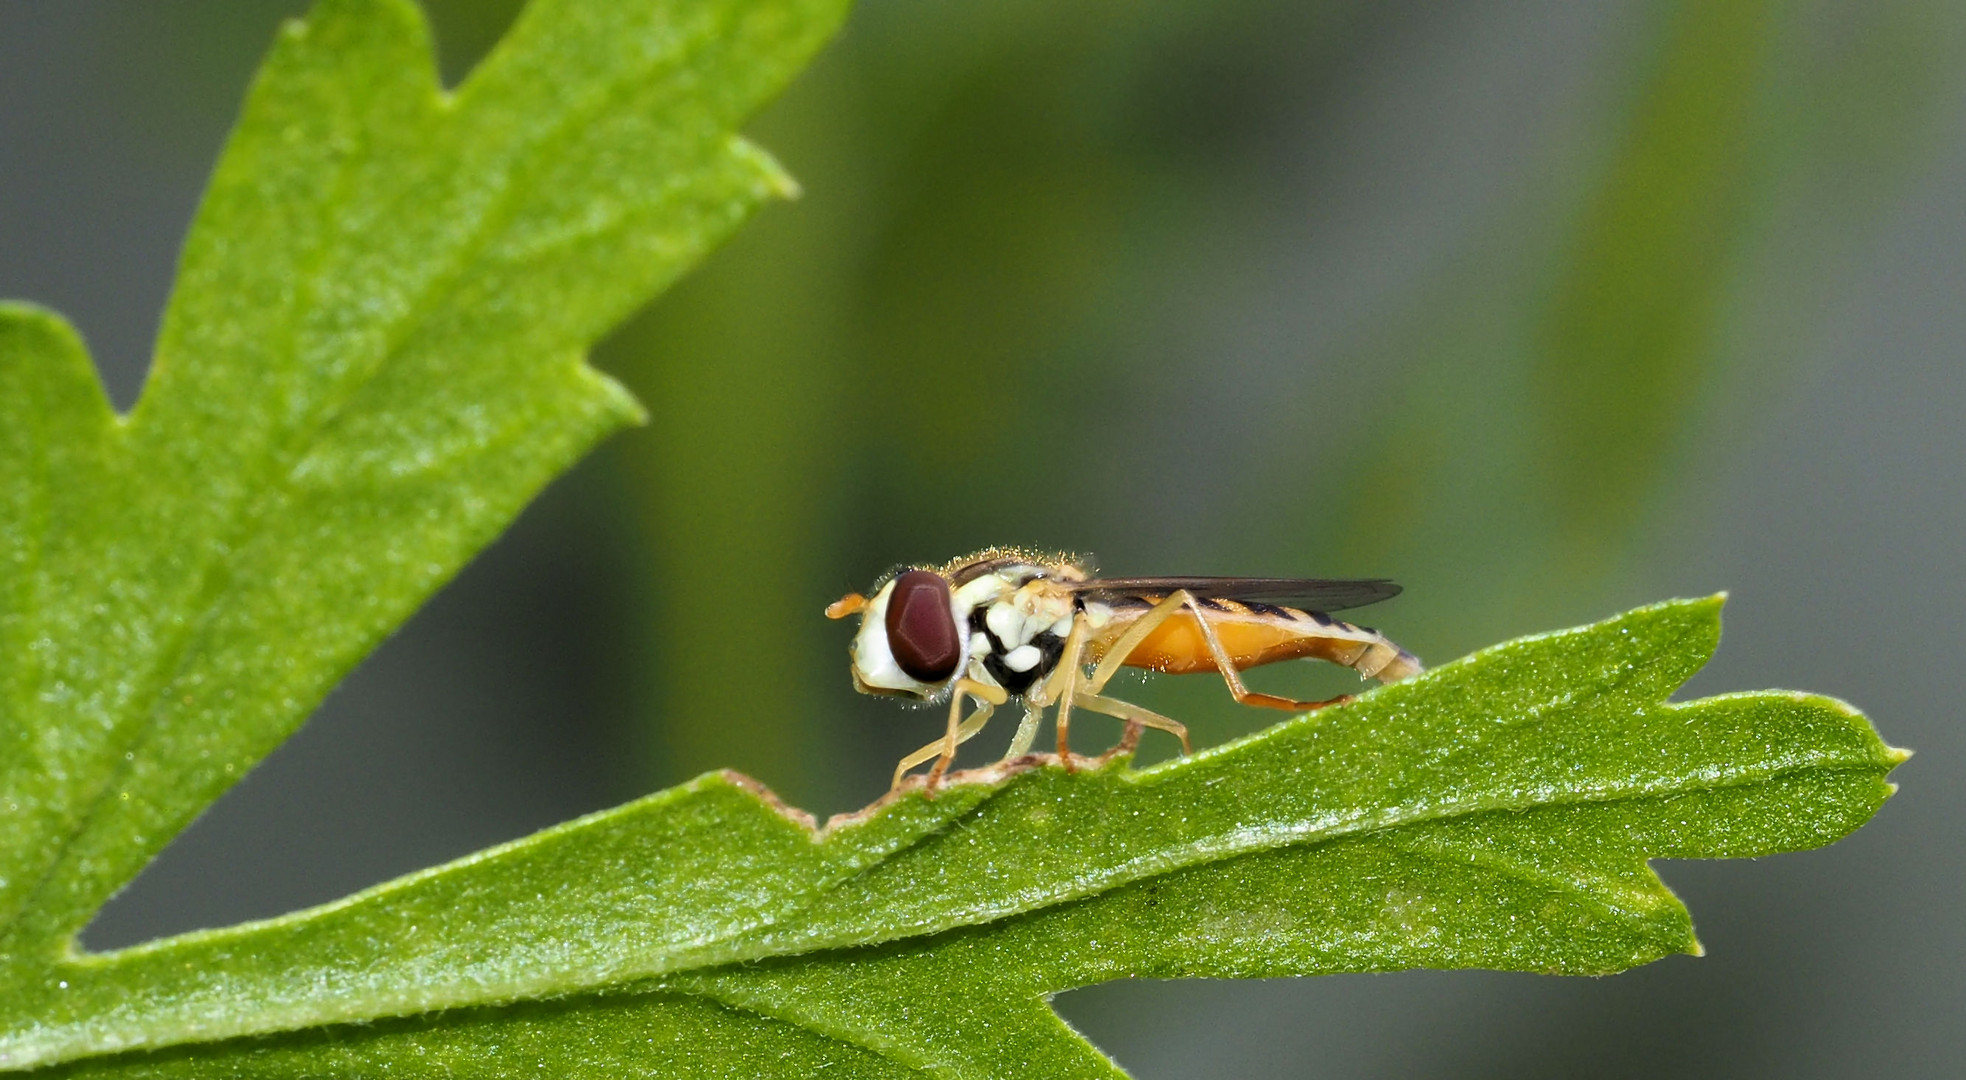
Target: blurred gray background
column 1545, row 309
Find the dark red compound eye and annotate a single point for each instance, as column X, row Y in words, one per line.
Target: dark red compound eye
column 921, row 627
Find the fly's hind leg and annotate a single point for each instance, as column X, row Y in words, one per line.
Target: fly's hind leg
column 1109, row 665
column 1243, row 694
column 1167, row 609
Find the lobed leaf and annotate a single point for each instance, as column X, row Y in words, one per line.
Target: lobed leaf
column 373, row 358
column 1497, row 812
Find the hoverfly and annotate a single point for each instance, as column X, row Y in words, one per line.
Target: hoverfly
column 1006, row 623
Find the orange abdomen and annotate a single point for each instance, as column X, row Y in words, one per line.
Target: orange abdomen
column 1177, row 647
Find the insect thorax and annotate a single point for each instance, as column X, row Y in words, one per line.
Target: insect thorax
column 1018, row 622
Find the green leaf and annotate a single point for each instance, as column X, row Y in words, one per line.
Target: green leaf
column 1496, row 812
column 373, row 357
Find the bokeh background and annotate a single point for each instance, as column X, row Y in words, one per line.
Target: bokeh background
column 1545, row 309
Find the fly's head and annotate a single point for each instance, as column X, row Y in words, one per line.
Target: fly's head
column 916, row 635
column 912, row 639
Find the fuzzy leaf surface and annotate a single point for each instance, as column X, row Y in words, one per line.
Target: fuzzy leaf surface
column 373, row 356
column 1497, row 812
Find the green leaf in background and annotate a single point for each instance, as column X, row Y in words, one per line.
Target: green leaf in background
column 373, row 357
column 1497, row 812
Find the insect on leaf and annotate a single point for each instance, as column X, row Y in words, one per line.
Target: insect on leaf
column 374, row 356
column 1496, row 812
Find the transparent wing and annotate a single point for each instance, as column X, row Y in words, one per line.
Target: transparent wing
column 1311, row 594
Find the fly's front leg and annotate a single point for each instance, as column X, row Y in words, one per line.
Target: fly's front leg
column 987, row 699
column 969, row 727
column 944, row 749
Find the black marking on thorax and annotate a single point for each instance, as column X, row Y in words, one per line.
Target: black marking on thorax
column 1051, row 648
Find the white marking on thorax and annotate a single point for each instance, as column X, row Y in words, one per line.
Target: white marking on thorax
column 1022, row 658
column 1005, row 621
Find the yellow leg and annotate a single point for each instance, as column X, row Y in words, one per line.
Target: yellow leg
column 1109, row 665
column 1243, row 694
column 1063, row 686
column 1136, row 717
column 1067, row 673
column 968, row 728
column 936, row 748
column 944, row 749
column 1027, row 732
column 1060, row 687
